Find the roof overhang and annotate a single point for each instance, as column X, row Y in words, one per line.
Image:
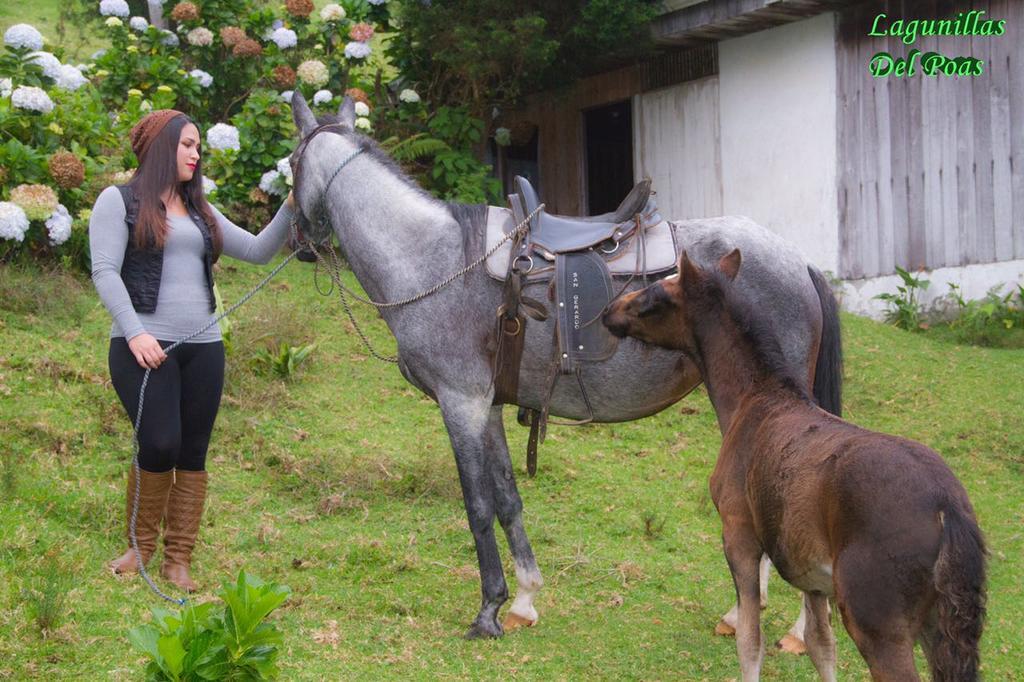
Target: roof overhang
column 691, row 22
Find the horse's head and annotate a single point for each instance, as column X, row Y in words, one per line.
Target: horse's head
column 663, row 313
column 315, row 159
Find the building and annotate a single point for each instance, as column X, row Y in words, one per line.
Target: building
column 771, row 109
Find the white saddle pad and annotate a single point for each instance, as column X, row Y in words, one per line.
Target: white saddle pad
column 661, row 254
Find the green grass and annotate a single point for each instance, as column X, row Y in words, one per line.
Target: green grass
column 342, row 485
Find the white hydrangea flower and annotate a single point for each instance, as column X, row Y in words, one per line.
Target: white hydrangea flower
column 357, row 50
column 362, row 109
column 223, row 136
column 170, row 39
column 5, row 87
column 70, row 78
column 200, row 37
column 146, row 105
column 113, row 22
column 314, row 72
column 322, row 97
column 409, row 96
column 332, row 12
column 50, row 64
column 204, row 78
column 284, row 167
column 59, row 225
column 138, row 24
column 97, row 54
column 114, row 8
column 270, row 183
column 13, row 221
column 363, row 123
column 32, row 98
column 284, row 37
column 23, row 35
column 286, row 96
column 208, row 185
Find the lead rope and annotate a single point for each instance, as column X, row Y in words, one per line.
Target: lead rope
column 138, row 422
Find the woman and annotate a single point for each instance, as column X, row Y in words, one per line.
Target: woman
column 154, row 242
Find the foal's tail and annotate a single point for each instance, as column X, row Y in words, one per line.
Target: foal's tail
column 828, row 373
column 960, row 582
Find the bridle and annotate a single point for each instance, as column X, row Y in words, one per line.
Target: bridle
column 319, row 209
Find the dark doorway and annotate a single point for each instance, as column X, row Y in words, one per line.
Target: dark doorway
column 518, row 158
column 609, row 161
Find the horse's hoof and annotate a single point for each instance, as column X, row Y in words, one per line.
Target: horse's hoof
column 723, row 629
column 479, row 630
column 791, row 645
column 514, row 622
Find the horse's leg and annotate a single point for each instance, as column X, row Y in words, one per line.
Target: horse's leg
column 871, row 600
column 727, row 624
column 744, row 555
column 509, row 507
column 467, row 422
column 821, row 644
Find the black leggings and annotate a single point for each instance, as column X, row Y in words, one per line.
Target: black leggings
column 182, row 397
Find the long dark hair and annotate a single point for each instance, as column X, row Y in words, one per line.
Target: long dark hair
column 157, row 172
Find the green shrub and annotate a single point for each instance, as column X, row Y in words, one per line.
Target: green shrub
column 904, row 307
column 983, row 322
column 214, row 641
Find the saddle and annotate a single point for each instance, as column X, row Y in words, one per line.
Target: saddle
column 579, row 258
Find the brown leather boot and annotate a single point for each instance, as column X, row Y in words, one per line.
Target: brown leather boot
column 153, row 492
column 184, row 512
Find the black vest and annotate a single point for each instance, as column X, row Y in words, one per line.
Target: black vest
column 142, row 268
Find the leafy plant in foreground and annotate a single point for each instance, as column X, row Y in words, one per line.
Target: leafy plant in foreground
column 284, row 361
column 205, row 642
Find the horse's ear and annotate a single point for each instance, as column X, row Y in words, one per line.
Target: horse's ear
column 304, row 119
column 730, row 264
column 347, row 112
column 687, row 270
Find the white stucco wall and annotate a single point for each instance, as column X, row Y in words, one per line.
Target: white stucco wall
column 857, row 296
column 777, row 92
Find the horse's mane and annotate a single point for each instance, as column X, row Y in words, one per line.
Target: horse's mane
column 370, row 147
column 471, row 218
column 755, row 328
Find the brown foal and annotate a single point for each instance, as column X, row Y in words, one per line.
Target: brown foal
column 877, row 523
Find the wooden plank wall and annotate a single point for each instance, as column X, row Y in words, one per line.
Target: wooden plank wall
column 931, row 169
column 677, row 143
column 560, row 144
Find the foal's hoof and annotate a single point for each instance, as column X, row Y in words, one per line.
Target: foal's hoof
column 514, row 622
column 791, row 645
column 723, row 629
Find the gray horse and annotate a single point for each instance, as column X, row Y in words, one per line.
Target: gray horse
column 399, row 241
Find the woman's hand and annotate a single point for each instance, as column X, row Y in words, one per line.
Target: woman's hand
column 147, row 351
column 290, row 200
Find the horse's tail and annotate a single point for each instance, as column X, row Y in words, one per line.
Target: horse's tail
column 960, row 582
column 828, row 372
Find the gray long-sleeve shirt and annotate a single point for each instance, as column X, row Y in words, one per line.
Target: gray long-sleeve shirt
column 183, row 304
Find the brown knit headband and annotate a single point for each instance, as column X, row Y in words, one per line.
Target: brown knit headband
column 147, row 129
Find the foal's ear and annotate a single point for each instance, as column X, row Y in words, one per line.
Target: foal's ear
column 347, row 112
column 304, row 119
column 688, row 272
column 730, row 264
